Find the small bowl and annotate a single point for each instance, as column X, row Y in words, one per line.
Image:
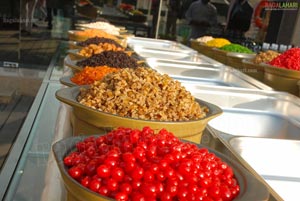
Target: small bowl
column 282, row 79
column 95, row 121
column 250, row 187
column 254, row 70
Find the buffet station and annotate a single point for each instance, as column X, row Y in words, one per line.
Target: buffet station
column 120, row 117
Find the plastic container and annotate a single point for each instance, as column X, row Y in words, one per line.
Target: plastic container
column 254, row 70
column 250, row 187
column 87, row 120
column 282, row 79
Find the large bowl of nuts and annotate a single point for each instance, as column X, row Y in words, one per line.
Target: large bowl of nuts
column 135, row 97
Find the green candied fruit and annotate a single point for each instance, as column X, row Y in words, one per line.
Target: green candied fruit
column 236, row 48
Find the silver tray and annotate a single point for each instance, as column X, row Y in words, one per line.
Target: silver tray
column 205, row 74
column 274, row 160
column 157, row 44
column 174, row 55
column 262, row 129
column 252, row 113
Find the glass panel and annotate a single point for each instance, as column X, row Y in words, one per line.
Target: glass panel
column 28, row 181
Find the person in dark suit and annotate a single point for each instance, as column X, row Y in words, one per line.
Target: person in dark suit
column 173, row 12
column 238, row 19
column 201, row 16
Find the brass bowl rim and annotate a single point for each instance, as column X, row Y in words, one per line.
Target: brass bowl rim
column 241, row 55
column 288, row 73
column 245, row 179
column 69, row 96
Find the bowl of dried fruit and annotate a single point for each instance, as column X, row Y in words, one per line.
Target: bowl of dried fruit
column 134, row 164
column 135, row 97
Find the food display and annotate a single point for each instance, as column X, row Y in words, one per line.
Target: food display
column 126, row 7
column 289, row 59
column 89, row 33
column 142, row 93
column 92, row 49
column 265, row 57
column 218, row 42
column 132, row 164
column 98, row 40
column 236, row 48
column 118, row 59
column 91, row 74
column 109, row 28
column 204, row 39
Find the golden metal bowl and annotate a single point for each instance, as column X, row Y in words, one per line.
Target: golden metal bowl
column 220, row 55
column 256, row 71
column 95, row 121
column 250, row 187
column 282, row 79
column 121, row 39
column 66, row 80
column 74, row 54
column 235, row 59
column 71, row 62
column 202, row 48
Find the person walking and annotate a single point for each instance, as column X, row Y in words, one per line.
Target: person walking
column 27, row 12
column 173, row 12
column 52, row 7
column 201, row 16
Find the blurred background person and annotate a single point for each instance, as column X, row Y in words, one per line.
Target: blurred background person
column 174, row 7
column 201, row 16
column 52, row 6
column 27, row 12
column 238, row 19
column 155, row 13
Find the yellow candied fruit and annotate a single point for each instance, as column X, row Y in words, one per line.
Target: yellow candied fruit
column 218, row 42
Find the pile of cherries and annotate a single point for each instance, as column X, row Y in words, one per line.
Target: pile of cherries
column 128, row 164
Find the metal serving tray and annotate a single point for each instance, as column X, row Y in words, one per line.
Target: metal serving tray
column 274, row 160
column 172, row 55
column 255, row 113
column 262, row 128
column 157, row 44
column 205, row 74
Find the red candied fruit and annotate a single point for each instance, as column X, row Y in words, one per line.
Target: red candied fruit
column 289, row 59
column 136, row 164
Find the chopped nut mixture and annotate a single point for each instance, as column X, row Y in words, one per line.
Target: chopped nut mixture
column 142, row 93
